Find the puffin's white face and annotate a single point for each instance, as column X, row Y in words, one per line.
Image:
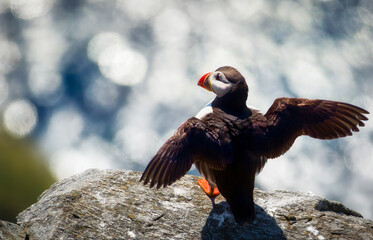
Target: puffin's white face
column 216, row 82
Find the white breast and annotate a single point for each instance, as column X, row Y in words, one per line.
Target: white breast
column 204, row 111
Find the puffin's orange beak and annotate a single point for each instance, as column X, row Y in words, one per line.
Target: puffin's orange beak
column 204, row 82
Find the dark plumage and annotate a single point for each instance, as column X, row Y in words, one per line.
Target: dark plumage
column 231, row 144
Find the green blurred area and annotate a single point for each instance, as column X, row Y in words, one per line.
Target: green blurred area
column 24, row 175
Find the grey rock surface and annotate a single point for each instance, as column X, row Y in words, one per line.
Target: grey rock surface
column 112, row 204
column 11, row 231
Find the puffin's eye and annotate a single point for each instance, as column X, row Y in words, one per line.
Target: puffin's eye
column 220, row 77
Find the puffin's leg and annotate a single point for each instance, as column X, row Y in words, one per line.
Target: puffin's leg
column 210, row 191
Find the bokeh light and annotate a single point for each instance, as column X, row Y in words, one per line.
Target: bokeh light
column 116, row 60
column 45, row 86
column 102, row 41
column 171, row 26
column 122, row 65
column 64, row 129
column 29, row 9
column 44, row 46
column 101, row 95
column 307, row 79
column 159, row 81
column 4, row 90
column 135, row 141
column 89, row 154
column 20, row 117
column 366, row 15
column 247, row 10
column 140, row 10
column 4, row 4
column 9, row 56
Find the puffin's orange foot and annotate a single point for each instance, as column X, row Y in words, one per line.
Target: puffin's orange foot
column 212, row 192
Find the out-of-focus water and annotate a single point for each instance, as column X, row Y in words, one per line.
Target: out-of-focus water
column 102, row 84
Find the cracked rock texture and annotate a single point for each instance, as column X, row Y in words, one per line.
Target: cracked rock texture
column 11, row 231
column 112, row 204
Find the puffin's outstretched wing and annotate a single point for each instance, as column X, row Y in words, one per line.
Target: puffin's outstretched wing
column 193, row 141
column 289, row 118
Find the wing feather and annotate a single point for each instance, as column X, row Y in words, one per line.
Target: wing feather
column 193, row 141
column 289, row 118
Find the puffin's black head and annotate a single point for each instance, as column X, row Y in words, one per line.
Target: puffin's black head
column 224, row 81
column 230, row 88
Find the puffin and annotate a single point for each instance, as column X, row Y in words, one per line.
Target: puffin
column 229, row 143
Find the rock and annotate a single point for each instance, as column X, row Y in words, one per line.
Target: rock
column 112, row 204
column 11, row 231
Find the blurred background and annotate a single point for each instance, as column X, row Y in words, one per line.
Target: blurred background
column 103, row 83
